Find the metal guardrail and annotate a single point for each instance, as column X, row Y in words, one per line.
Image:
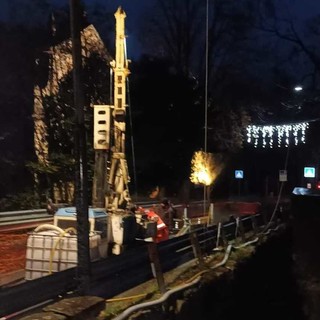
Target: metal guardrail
column 23, row 219
column 8, row 216
column 21, row 212
column 117, row 274
column 38, row 216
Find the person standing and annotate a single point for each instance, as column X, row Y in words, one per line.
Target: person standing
column 162, row 229
column 169, row 213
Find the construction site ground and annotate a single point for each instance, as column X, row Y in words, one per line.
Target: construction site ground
column 176, row 278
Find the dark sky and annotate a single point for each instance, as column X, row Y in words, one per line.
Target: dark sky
column 304, row 8
column 134, row 9
column 298, row 9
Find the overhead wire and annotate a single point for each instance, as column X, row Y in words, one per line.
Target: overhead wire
column 206, row 80
column 206, row 100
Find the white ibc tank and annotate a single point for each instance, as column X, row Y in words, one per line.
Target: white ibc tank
column 54, row 250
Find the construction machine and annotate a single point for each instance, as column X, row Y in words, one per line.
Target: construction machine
column 114, row 221
column 111, row 180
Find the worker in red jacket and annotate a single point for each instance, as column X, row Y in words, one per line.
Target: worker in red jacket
column 162, row 229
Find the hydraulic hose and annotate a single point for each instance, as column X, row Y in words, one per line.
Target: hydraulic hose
column 163, row 298
column 53, row 250
column 62, row 233
column 48, row 227
column 142, row 295
column 191, row 282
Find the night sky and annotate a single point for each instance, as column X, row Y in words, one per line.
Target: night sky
column 299, row 9
column 295, row 10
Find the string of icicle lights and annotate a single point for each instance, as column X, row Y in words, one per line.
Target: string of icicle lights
column 279, row 135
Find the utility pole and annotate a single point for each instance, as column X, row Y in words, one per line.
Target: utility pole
column 81, row 172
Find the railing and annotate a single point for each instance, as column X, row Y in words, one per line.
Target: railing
column 116, row 274
column 23, row 219
column 14, row 220
column 191, row 210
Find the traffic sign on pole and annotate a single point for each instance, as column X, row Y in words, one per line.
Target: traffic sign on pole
column 283, row 175
column 309, row 172
column 238, row 174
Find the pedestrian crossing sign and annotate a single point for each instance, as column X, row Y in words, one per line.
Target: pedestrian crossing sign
column 309, row 172
column 238, row 174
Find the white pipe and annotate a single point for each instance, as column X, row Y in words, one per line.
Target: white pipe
column 48, row 227
column 163, row 298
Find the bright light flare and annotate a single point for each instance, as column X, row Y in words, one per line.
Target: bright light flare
column 204, row 168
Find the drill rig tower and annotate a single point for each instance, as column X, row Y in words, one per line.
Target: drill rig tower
column 119, row 177
column 111, row 170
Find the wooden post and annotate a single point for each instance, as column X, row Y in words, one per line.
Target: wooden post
column 241, row 229
column 196, row 249
column 211, row 219
column 155, row 266
column 221, row 235
column 254, row 225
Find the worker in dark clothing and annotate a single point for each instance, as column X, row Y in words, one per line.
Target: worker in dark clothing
column 51, row 207
column 169, row 213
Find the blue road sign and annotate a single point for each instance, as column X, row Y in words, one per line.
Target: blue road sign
column 309, row 172
column 238, row 174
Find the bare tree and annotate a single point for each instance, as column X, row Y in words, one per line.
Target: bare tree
column 177, row 31
column 301, row 36
column 174, row 30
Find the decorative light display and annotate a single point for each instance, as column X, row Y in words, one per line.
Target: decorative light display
column 267, row 136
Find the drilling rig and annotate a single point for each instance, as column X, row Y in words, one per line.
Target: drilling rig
column 111, row 180
column 113, row 222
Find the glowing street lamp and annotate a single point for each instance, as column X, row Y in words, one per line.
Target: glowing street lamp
column 202, row 168
column 205, row 168
column 298, row 88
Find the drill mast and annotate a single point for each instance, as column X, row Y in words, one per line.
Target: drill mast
column 111, row 171
column 119, row 176
column 111, row 181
